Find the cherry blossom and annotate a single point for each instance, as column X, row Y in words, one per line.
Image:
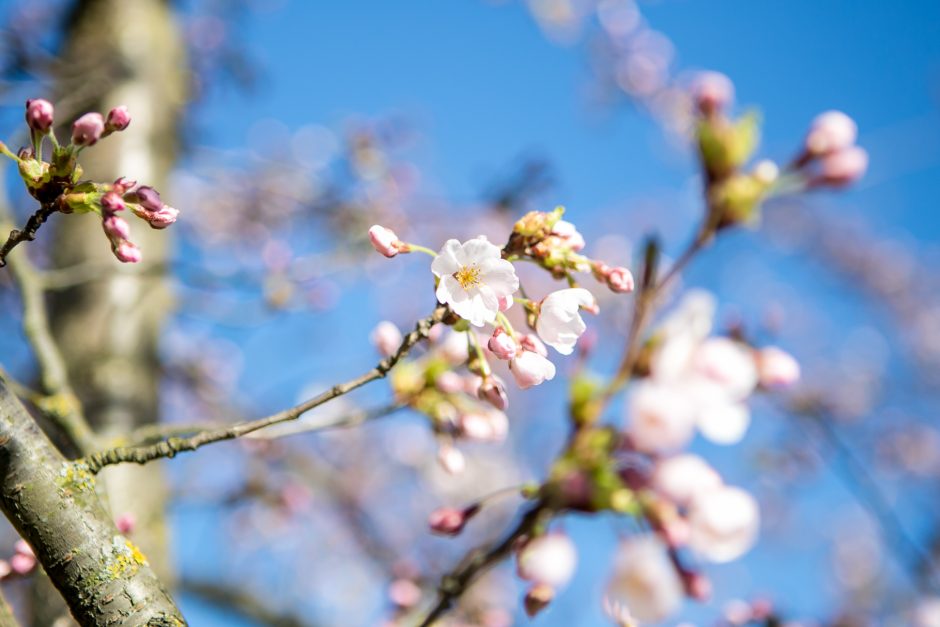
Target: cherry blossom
column 830, row 132
column 386, row 337
column 473, row 279
column 681, row 478
column 550, row 559
column 644, row 581
column 724, row 523
column 529, row 369
column 660, row 420
column 384, row 240
column 776, row 367
column 559, row 323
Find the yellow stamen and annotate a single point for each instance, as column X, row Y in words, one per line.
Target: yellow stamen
column 468, row 276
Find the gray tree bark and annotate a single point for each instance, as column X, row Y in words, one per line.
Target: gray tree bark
column 53, row 503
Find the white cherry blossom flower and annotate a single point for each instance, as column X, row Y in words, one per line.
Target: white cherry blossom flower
column 681, row 478
column 777, row 367
column 474, row 278
column 549, row 559
column 559, row 323
column 661, row 418
column 724, row 523
column 644, row 580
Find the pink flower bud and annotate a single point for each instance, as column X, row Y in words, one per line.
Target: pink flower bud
column 39, row 115
column 449, row 521
column 384, row 241
column 163, row 218
column 620, row 280
column 842, row 168
column 118, row 119
column 711, row 92
column 493, row 392
column 116, row 228
column 127, row 252
column 112, row 202
column 126, row 523
column 5, row 569
column 148, row 198
column 532, row 343
column 22, row 564
column 548, row 559
column 697, row 585
column 830, row 132
column 404, row 593
column 530, row 369
column 386, row 337
column 537, row 599
column 502, row 345
column 568, row 232
column 451, row 459
column 123, row 185
column 449, row 382
column 484, row 426
column 777, row 368
column 87, row 130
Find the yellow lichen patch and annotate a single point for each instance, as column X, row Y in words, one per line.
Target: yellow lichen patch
column 127, row 559
column 58, row 404
column 76, row 477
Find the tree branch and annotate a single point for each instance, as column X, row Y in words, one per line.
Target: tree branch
column 28, row 233
column 243, row 602
column 52, row 503
column 454, row 584
column 61, row 405
column 172, row 446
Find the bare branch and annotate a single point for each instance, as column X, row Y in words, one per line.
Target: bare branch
column 61, row 404
column 454, row 584
column 172, row 446
column 28, row 233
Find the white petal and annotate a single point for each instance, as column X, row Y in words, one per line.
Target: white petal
column 447, row 261
column 477, row 250
column 500, row 275
column 724, row 423
column 449, row 291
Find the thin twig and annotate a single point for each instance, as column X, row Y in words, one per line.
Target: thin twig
column 148, row 434
column 28, row 233
column 172, row 446
column 868, row 493
column 61, row 404
column 454, row 584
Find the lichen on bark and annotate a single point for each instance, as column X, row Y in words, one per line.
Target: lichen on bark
column 103, row 577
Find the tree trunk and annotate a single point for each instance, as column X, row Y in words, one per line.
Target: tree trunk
column 121, row 52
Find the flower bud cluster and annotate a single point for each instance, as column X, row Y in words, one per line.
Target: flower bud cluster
column 829, row 157
column 56, row 183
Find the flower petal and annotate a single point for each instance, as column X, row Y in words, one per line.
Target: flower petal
column 477, row 250
column 500, row 276
column 447, row 261
column 724, row 423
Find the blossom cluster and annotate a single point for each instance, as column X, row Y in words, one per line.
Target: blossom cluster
column 681, row 378
column 58, row 186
